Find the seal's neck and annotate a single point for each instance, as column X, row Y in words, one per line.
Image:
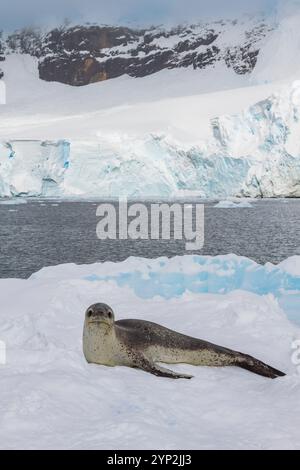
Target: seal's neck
column 98, row 342
column 100, row 331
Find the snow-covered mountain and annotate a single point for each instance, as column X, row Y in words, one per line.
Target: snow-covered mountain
column 212, row 124
column 80, row 55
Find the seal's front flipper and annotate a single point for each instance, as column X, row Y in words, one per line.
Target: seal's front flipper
column 148, row 366
column 164, row 372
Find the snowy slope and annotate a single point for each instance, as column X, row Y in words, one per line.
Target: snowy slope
column 179, row 102
column 51, row 398
column 278, row 57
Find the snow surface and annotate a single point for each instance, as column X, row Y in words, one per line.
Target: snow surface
column 233, row 205
column 51, row 398
column 285, row 40
column 2, row 93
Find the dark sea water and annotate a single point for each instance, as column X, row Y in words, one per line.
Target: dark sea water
column 46, row 233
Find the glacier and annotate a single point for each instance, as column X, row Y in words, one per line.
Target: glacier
column 254, row 153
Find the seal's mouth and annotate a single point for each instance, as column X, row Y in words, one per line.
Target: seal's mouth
column 99, row 322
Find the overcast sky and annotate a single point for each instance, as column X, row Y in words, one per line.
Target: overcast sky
column 16, row 13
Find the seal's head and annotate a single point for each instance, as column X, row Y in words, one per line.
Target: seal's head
column 100, row 314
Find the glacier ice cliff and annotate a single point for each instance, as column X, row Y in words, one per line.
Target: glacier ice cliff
column 255, row 153
column 32, row 168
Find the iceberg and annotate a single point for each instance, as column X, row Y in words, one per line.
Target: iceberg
column 13, row 202
column 233, row 205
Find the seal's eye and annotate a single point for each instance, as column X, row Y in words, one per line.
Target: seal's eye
column 90, row 313
column 109, row 314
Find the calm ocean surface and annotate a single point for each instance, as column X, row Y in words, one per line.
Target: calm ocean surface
column 46, row 233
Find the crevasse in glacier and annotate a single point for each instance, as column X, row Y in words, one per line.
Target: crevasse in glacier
column 255, row 153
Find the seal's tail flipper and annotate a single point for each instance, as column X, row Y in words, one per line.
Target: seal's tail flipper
column 258, row 367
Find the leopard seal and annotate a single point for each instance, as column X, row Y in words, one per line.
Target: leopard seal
column 143, row 344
